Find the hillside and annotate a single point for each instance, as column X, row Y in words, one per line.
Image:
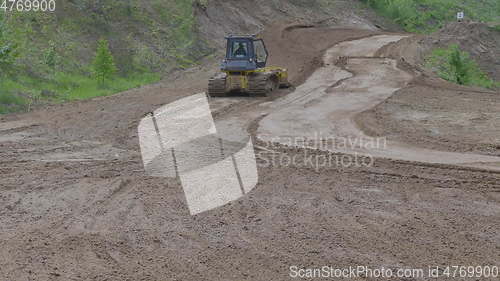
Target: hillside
column 52, row 52
column 431, row 15
column 47, row 57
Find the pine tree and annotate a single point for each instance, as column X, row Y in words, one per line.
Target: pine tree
column 103, row 65
column 459, row 66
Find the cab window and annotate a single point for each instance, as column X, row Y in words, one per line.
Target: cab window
column 239, row 49
column 260, row 51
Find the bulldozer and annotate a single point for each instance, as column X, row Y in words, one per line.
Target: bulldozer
column 244, row 69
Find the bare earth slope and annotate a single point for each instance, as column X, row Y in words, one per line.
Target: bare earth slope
column 434, row 114
column 77, row 205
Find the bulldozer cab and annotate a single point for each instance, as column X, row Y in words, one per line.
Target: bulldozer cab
column 244, row 53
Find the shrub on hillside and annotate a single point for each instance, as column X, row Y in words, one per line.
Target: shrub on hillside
column 459, row 67
column 104, row 65
column 6, row 51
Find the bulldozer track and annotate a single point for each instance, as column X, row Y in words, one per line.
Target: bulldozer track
column 261, row 85
column 217, row 87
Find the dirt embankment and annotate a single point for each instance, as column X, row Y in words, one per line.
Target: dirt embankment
column 438, row 118
column 436, row 114
column 478, row 39
column 300, row 47
column 222, row 17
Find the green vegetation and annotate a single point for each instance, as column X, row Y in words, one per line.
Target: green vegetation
column 430, row 15
column 459, row 67
column 104, row 64
column 456, row 66
column 51, row 57
column 22, row 92
column 6, row 49
column 424, row 16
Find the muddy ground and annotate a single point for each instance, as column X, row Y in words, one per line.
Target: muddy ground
column 77, row 204
column 433, row 113
column 451, row 120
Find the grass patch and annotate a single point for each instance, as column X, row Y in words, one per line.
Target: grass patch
column 77, row 87
column 11, row 103
column 429, row 15
column 456, row 66
column 12, row 97
column 21, row 92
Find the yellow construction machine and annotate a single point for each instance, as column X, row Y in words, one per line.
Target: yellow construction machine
column 244, row 69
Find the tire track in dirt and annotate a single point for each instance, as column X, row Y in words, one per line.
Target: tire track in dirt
column 324, row 107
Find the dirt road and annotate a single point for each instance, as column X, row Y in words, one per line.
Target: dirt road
column 76, row 203
column 325, row 106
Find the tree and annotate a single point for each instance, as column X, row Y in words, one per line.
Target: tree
column 50, row 56
column 458, row 64
column 103, row 66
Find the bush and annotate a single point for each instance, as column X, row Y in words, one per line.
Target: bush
column 6, row 50
column 50, row 56
column 459, row 69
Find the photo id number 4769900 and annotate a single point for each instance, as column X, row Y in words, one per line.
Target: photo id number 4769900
column 27, row 5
